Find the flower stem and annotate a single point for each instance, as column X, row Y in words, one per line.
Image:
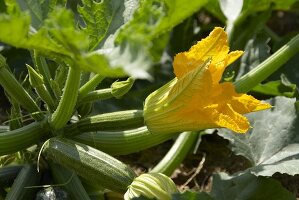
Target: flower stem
column 96, row 95
column 90, row 85
column 269, row 66
column 43, row 68
column 177, row 153
column 68, row 101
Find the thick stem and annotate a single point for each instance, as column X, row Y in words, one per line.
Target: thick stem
column 122, row 142
column 269, row 66
column 67, row 103
column 115, row 121
column 16, row 140
column 176, row 153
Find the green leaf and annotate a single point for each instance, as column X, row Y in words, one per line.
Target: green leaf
column 61, row 26
column 18, row 35
column 248, row 187
column 189, row 195
column 155, row 17
column 272, row 144
column 130, row 58
column 38, row 10
column 58, row 39
column 141, row 36
column 276, row 88
column 98, row 17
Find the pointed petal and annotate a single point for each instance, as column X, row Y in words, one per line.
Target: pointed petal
column 228, row 118
column 232, row 56
column 215, row 46
column 244, row 103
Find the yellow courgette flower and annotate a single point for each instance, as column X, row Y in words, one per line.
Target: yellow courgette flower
column 195, row 99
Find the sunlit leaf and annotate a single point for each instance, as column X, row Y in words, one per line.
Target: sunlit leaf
column 38, row 10
column 98, row 17
column 272, row 144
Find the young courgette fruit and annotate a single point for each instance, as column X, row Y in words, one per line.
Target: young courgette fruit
column 89, row 163
column 20, row 189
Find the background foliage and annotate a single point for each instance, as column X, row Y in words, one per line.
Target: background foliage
column 138, row 38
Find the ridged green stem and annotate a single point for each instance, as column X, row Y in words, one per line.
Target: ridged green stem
column 85, row 108
column 120, row 120
column 44, row 94
column 177, row 153
column 17, row 92
column 16, row 140
column 43, row 69
column 266, row 68
column 90, row 85
column 37, row 81
column 122, row 142
column 96, row 95
column 67, row 103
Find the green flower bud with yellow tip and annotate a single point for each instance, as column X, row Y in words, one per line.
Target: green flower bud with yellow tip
column 122, row 87
column 151, row 185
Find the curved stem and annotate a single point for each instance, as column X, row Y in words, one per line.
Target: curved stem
column 43, row 68
column 177, row 153
column 266, row 68
column 96, row 95
column 90, row 85
column 68, row 101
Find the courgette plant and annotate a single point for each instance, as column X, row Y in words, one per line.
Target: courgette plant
column 73, row 48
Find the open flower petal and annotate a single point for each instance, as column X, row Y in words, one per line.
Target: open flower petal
column 214, row 47
column 195, row 99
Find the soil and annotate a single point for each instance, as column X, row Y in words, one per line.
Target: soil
column 212, row 155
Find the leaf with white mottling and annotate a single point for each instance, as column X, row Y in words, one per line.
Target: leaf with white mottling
column 272, row 145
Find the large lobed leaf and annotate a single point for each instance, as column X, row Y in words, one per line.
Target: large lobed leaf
column 54, row 33
column 248, row 187
column 272, row 145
